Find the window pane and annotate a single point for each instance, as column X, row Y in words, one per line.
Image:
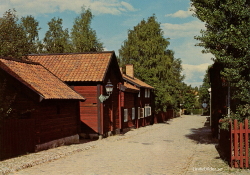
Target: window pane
column 125, row 115
column 133, row 113
column 139, row 113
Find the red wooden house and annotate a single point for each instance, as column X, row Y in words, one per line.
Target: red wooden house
column 88, row 74
column 138, row 101
column 43, row 112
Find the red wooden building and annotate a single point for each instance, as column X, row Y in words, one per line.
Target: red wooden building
column 138, row 101
column 88, row 74
column 44, row 111
column 220, row 97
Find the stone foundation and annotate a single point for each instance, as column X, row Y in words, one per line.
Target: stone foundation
column 59, row 142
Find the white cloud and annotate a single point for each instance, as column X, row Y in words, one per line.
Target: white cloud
column 182, row 42
column 183, row 30
column 37, row 7
column 128, row 6
column 194, row 73
column 181, row 13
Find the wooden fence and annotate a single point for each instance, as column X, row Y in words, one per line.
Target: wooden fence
column 239, row 144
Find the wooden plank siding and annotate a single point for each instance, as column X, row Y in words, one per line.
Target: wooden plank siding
column 37, row 123
column 88, row 109
column 111, row 107
column 129, row 103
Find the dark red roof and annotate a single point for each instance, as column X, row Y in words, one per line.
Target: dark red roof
column 72, row 67
column 39, row 79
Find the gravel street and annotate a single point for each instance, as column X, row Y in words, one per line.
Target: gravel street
column 181, row 146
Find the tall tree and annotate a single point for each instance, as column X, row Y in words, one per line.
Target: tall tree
column 84, row 38
column 56, row 39
column 31, row 28
column 146, row 49
column 13, row 41
column 203, row 91
column 227, row 37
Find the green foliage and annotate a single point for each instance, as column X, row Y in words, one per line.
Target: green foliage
column 56, row 39
column 204, row 95
column 227, row 37
column 188, row 97
column 84, row 38
column 13, row 41
column 31, row 29
column 146, row 49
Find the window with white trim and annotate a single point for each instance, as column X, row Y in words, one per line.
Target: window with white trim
column 125, row 115
column 147, row 111
column 139, row 112
column 142, row 113
column 133, row 113
column 147, row 93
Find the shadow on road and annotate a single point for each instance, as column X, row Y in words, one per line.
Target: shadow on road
column 202, row 135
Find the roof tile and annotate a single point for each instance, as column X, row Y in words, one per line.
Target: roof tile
column 39, row 79
column 76, row 66
column 136, row 81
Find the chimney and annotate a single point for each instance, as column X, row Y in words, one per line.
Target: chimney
column 130, row 70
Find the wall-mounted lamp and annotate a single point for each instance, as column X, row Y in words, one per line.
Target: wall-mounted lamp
column 109, row 90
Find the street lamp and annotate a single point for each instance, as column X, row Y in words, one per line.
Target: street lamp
column 109, row 90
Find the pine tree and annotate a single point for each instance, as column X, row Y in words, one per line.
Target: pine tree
column 146, row 49
column 84, row 38
column 56, row 39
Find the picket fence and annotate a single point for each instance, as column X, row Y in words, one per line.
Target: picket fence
column 239, row 144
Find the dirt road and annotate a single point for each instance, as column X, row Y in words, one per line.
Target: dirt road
column 180, row 146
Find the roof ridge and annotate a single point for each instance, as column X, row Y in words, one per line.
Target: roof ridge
column 71, row 53
column 20, row 61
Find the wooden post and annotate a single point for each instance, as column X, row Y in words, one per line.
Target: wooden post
column 246, row 142
column 236, row 154
column 241, row 145
column 231, row 144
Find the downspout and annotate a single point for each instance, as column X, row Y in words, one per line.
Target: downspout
column 228, row 109
column 119, row 107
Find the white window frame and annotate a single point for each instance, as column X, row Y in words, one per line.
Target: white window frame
column 133, row 113
column 147, row 111
column 142, row 113
column 139, row 112
column 125, row 115
column 147, row 93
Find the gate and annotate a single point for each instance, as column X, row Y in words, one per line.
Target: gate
column 239, row 144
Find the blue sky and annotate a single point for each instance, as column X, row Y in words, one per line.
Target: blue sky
column 113, row 18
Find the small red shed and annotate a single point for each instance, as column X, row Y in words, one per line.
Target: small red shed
column 142, row 101
column 88, row 74
column 44, row 111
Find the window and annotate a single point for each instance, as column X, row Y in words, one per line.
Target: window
column 142, row 113
column 147, row 93
column 139, row 112
column 147, row 111
column 139, row 94
column 133, row 113
column 125, row 115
